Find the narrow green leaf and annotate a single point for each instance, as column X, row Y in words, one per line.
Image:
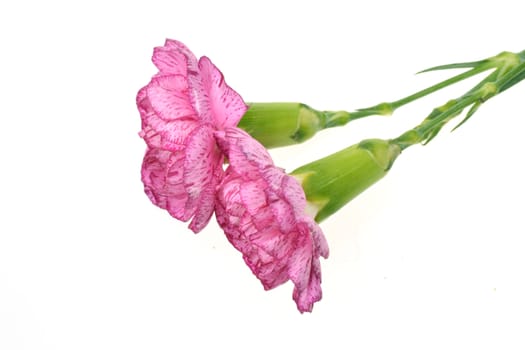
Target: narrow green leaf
column 454, row 66
column 471, row 112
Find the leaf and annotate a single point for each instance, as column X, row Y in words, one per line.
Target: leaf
column 454, row 66
column 471, row 111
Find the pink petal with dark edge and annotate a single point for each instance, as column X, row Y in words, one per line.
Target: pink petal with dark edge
column 221, row 105
column 253, row 198
column 294, row 194
column 202, row 172
column 170, row 61
column 261, row 210
column 194, row 77
column 244, row 153
column 162, row 175
column 169, row 97
column 171, row 135
column 180, row 47
column 143, row 104
column 309, row 291
column 248, row 239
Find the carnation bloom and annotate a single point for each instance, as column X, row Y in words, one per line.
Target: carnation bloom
column 262, row 211
column 181, row 107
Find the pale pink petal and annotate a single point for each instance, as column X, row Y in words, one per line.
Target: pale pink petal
column 294, row 194
column 285, row 214
column 270, row 271
column 151, row 136
column 253, row 198
column 309, row 292
column 194, row 78
column 319, row 240
column 244, row 153
column 306, row 268
column 202, row 172
column 230, row 195
column 174, row 58
column 162, row 175
column 220, row 104
column 171, row 135
column 162, row 129
column 143, row 103
column 169, row 97
column 180, row 47
column 170, row 61
column 205, row 210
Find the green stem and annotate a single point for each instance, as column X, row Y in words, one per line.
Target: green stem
column 514, row 77
column 340, row 118
column 456, row 107
column 439, row 86
column 283, row 124
column 495, row 83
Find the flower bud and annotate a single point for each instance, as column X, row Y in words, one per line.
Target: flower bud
column 281, row 124
column 331, row 182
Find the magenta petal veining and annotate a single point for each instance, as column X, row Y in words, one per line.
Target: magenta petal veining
column 181, row 107
column 261, row 210
column 189, row 117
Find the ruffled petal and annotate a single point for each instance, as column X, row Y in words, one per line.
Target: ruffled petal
column 202, row 172
column 307, row 291
column 170, row 61
column 191, row 60
column 319, row 239
column 244, row 153
column 305, row 267
column 255, row 243
column 261, row 210
column 143, row 104
column 219, row 104
column 162, row 175
column 169, row 97
column 171, row 136
column 252, row 197
column 294, row 194
column 174, row 58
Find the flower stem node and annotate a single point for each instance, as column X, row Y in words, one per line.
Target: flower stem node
column 331, row 182
column 488, row 90
column 505, row 59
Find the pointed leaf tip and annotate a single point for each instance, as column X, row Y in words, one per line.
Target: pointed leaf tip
column 473, row 64
column 471, row 112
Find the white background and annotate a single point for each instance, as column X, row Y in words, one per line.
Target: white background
column 429, row 258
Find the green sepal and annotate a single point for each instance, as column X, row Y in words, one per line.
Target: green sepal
column 515, row 77
column 331, row 182
column 281, row 123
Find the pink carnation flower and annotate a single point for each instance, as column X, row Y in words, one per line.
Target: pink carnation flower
column 181, row 107
column 262, row 212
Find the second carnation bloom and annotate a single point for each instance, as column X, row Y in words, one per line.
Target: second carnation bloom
column 262, row 212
